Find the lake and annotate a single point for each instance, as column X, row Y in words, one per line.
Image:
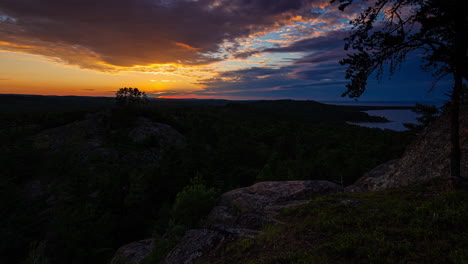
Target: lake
column 397, row 118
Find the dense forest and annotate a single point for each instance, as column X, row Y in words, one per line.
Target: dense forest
column 74, row 202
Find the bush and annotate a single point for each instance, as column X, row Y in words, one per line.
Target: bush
column 192, row 204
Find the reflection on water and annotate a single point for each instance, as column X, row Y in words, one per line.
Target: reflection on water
column 397, row 118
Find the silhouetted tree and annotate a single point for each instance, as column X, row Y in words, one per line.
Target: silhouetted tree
column 131, row 97
column 427, row 115
column 386, row 32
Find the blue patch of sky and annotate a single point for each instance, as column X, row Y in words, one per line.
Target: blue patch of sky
column 318, row 10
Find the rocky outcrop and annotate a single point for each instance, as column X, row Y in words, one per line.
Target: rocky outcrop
column 146, row 130
column 88, row 133
column 100, row 149
column 428, row 157
column 90, row 141
column 134, row 252
column 239, row 213
column 242, row 212
column 195, row 244
column 374, row 177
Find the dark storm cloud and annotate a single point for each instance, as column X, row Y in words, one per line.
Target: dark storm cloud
column 100, row 34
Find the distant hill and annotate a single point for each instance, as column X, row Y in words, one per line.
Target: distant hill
column 309, row 111
column 12, row 103
column 305, row 111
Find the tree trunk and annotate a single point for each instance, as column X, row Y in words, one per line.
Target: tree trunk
column 455, row 130
column 457, row 89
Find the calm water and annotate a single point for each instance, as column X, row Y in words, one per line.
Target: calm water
column 397, row 118
column 384, row 103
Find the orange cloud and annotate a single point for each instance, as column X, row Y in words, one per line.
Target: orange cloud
column 186, row 46
column 106, row 35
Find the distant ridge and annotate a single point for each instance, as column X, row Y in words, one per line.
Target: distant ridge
column 383, row 103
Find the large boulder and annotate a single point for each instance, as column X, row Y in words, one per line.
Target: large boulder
column 428, row 157
column 242, row 210
column 242, row 213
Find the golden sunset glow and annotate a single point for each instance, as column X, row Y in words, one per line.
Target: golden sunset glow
column 33, row 74
column 175, row 49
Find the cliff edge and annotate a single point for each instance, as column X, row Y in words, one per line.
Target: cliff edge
column 426, row 158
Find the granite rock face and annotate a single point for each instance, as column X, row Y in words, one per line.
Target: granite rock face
column 195, row 244
column 428, row 157
column 242, row 212
column 134, row 252
column 374, row 177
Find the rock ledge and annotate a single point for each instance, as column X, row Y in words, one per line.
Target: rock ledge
column 242, row 212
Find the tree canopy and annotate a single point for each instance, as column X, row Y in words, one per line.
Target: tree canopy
column 130, row 97
column 388, row 30
column 385, row 33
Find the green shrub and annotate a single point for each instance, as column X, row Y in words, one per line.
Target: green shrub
column 192, row 204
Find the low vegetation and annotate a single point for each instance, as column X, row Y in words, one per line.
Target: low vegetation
column 419, row 224
column 71, row 205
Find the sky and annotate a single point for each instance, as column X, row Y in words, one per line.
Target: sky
column 226, row 49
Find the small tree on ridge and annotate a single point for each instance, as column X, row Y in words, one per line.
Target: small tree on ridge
column 130, row 97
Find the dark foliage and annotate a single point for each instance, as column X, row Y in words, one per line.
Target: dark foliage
column 427, row 115
column 130, row 97
column 388, row 30
column 84, row 211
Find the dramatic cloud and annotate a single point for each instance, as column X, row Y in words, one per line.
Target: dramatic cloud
column 332, row 40
column 107, row 33
column 316, row 69
column 315, row 74
column 293, row 81
column 309, row 81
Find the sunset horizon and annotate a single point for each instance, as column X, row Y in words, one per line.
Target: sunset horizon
column 233, row 131
column 224, row 49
